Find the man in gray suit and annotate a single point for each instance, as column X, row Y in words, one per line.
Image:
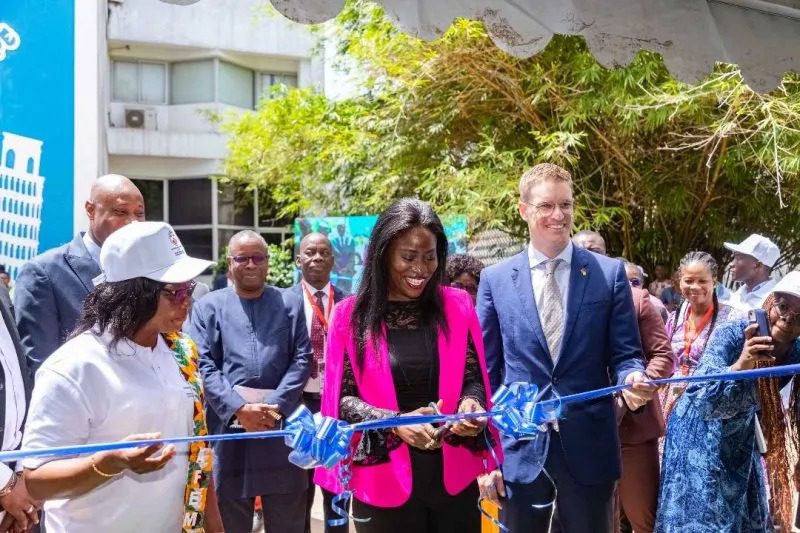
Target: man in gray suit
column 50, row 289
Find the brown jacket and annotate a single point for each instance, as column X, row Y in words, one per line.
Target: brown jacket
column 648, row 423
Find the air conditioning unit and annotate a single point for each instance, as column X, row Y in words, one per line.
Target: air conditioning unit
column 140, row 118
column 134, row 118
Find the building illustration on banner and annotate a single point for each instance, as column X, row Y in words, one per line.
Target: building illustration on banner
column 21, row 189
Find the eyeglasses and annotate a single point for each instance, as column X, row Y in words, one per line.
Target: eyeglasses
column 471, row 289
column 635, row 282
column 785, row 311
column 546, row 209
column 257, row 259
column 179, row 295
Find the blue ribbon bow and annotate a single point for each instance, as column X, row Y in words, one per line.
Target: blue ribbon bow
column 316, row 440
column 518, row 413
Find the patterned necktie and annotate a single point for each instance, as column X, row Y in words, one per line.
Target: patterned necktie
column 552, row 312
column 317, row 336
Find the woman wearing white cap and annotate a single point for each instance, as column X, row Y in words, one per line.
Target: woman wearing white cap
column 712, row 478
column 126, row 373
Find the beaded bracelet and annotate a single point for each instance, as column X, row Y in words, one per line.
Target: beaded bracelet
column 100, row 472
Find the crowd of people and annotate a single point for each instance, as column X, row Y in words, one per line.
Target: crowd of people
column 108, row 339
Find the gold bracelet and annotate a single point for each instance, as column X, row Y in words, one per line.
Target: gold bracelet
column 12, row 482
column 100, row 472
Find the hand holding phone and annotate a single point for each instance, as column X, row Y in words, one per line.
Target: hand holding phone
column 757, row 342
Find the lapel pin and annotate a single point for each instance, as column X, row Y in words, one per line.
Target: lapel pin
column 584, row 272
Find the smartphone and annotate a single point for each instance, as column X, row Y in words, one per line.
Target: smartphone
column 759, row 316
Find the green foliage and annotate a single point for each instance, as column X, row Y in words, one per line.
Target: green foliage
column 281, row 265
column 660, row 167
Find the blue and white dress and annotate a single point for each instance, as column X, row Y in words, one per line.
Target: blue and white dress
column 712, row 478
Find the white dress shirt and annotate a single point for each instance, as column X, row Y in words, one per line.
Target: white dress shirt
column 745, row 299
column 314, row 384
column 14, row 398
column 92, row 247
column 537, row 261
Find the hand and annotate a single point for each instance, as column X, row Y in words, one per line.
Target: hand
column 422, row 436
column 755, row 349
column 640, row 393
column 469, row 428
column 491, row 487
column 257, row 416
column 137, row 460
column 22, row 511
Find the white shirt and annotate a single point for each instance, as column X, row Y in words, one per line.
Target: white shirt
column 88, row 392
column 314, row 385
column 92, row 247
column 537, row 261
column 745, row 300
column 14, row 398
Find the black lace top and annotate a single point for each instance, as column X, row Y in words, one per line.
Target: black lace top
column 414, row 360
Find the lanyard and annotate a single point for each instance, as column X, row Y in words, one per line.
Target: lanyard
column 690, row 333
column 323, row 317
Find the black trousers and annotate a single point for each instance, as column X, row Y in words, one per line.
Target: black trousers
column 430, row 509
column 312, row 401
column 579, row 508
column 283, row 513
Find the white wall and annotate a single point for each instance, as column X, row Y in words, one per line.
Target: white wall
column 239, row 25
column 91, row 75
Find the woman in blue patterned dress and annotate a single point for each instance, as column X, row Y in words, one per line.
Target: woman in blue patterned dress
column 712, row 477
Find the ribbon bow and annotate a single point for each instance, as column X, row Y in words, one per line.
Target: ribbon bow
column 519, row 414
column 316, row 440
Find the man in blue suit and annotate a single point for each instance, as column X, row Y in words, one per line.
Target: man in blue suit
column 561, row 317
column 50, row 289
column 255, row 360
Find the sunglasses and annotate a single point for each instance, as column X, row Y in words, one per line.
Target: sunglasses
column 180, row 295
column 471, row 289
column 257, row 259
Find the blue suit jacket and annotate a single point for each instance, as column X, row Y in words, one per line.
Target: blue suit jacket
column 338, row 294
column 48, row 298
column 600, row 345
column 277, row 358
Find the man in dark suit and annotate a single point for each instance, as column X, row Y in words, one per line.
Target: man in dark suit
column 639, row 431
column 50, row 289
column 561, row 317
column 255, row 360
column 315, row 261
column 17, row 508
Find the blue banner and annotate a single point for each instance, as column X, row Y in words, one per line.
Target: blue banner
column 36, row 127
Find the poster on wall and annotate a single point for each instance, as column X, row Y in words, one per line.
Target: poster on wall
column 349, row 238
column 36, row 128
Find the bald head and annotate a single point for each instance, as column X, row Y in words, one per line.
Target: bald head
column 114, row 201
column 590, row 240
column 315, row 259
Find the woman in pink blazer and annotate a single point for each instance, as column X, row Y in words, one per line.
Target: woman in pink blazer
column 404, row 341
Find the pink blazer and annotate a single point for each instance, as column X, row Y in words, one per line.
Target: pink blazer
column 389, row 484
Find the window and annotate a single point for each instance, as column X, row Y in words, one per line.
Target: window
column 235, row 206
column 192, row 82
column 268, row 80
column 190, row 201
column 139, row 82
column 235, row 85
column 197, row 242
column 153, row 194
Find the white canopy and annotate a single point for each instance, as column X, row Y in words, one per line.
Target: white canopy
column 761, row 37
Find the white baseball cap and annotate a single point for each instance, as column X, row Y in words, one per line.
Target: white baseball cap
column 148, row 250
column 790, row 284
column 758, row 246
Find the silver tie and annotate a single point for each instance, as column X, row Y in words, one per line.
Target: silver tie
column 552, row 313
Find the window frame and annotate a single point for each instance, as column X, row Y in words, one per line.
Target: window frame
column 139, row 63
